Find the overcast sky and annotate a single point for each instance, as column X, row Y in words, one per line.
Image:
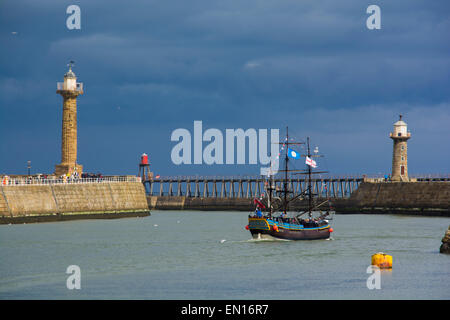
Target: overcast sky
column 150, row 67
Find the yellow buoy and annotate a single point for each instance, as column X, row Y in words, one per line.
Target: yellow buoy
column 382, row 260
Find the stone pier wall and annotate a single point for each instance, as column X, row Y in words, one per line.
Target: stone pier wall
column 224, row 204
column 36, row 203
column 422, row 198
column 208, row 204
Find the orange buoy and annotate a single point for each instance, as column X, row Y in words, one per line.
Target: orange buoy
column 246, row 227
column 331, row 230
column 275, row 227
column 382, row 260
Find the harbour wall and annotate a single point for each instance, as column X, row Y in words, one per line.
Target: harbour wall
column 429, row 198
column 55, row 202
column 207, row 204
column 225, row 204
column 415, row 198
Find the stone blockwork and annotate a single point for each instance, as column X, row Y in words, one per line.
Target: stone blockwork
column 69, row 135
column 64, row 201
column 29, row 200
column 400, row 160
column 212, row 204
column 208, row 204
column 69, row 129
column 4, row 208
column 427, row 198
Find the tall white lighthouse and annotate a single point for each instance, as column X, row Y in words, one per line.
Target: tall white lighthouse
column 400, row 136
column 69, row 90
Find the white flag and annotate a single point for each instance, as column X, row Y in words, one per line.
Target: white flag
column 311, row 162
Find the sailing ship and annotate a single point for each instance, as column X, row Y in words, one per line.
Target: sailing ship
column 272, row 218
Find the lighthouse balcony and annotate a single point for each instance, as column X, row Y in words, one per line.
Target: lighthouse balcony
column 64, row 86
column 400, row 135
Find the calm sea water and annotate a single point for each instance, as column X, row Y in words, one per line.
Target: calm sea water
column 209, row 255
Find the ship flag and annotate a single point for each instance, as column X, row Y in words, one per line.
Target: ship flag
column 293, row 154
column 311, row 162
column 259, row 203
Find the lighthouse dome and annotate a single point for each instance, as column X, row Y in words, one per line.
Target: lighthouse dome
column 400, row 122
column 400, row 128
column 70, row 74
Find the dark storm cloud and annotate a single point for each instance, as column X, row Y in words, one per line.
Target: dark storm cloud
column 150, row 67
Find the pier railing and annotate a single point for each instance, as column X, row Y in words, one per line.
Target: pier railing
column 6, row 181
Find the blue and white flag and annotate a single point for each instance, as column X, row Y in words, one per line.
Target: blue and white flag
column 293, row 154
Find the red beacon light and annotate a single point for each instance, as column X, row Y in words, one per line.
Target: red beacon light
column 144, row 159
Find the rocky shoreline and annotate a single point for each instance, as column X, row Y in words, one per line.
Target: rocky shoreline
column 445, row 246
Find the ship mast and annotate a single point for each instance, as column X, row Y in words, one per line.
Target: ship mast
column 310, row 172
column 285, row 204
column 269, row 200
column 309, row 183
column 286, row 173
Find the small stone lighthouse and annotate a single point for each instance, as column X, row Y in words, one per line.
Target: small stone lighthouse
column 69, row 90
column 400, row 135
